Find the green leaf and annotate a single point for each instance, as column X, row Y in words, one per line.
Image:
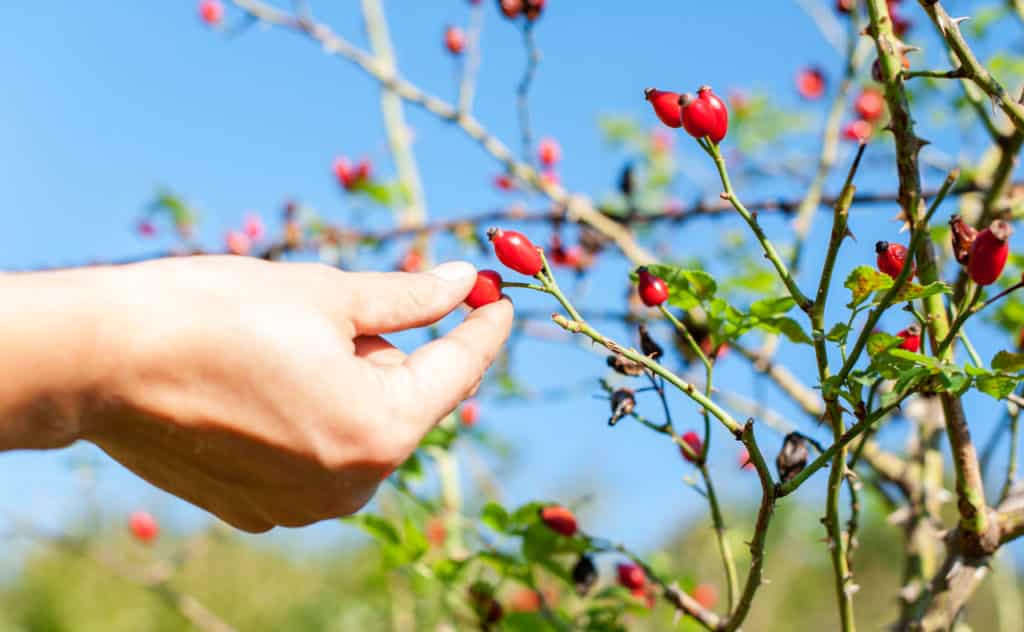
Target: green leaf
column 916, row 358
column 494, row 516
column 913, row 291
column 863, row 281
column 525, row 516
column 1007, row 361
column 996, row 385
column 879, row 342
column 381, row 530
column 771, row 307
column 792, row 330
column 839, row 333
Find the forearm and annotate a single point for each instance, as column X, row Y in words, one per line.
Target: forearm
column 50, row 356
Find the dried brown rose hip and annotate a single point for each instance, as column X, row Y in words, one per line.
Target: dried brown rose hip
column 623, row 403
column 584, row 575
column 792, row 457
column 963, row 235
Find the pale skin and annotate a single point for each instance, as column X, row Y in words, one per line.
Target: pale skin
column 261, row 392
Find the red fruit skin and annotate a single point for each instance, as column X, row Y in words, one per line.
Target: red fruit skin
column 869, row 104
column 631, row 576
column 469, row 414
column 691, row 439
column 891, row 257
column 857, row 131
column 436, row 532
column 989, row 252
column 666, row 106
column 412, row 261
column 211, row 12
column 454, row 40
column 511, row 8
column 911, row 340
column 486, row 289
column 559, row 519
column 720, row 114
column 549, row 152
column 143, row 526
column 525, row 600
column 810, row 83
column 504, row 182
column 653, row 290
column 516, row 251
column 744, row 460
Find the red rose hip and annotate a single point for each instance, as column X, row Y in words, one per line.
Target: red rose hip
column 691, row 439
column 516, row 251
column 631, row 576
column 559, row 519
column 869, row 104
column 143, row 526
column 666, row 106
column 704, row 115
column 810, row 83
column 211, row 12
column 454, row 40
column 988, row 253
column 911, row 339
column 486, row 290
column 857, row 131
column 891, row 257
column 549, row 152
column 653, row 290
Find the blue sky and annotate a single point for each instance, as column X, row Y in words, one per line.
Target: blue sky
column 103, row 101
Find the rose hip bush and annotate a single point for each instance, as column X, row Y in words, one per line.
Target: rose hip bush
column 886, row 342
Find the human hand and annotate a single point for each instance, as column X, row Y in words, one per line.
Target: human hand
column 264, row 392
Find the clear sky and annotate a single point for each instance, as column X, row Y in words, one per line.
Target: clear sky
column 104, row 100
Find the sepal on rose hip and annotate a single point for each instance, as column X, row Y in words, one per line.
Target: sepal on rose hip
column 989, row 252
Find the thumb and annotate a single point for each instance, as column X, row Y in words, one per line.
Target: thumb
column 385, row 302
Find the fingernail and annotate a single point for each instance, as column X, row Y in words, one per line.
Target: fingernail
column 454, row 271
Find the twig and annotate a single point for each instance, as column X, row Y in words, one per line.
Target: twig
column 523, row 90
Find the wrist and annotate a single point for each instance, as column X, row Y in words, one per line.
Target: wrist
column 55, row 356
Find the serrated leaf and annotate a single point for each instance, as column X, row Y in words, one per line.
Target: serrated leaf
column 792, row 330
column 863, row 281
column 996, row 385
column 1008, row 361
column 913, row 291
column 916, row 358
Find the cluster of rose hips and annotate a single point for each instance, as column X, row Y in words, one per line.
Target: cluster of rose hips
column 531, row 9
column 240, row 241
column 702, row 116
column 869, row 106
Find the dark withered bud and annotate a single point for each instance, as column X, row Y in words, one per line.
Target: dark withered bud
column 626, row 185
column 963, row 235
column 624, row 366
column 792, row 457
column 533, row 9
column 622, row 403
column 584, row 575
column 486, row 606
column 648, row 346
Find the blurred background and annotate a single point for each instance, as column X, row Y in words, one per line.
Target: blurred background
column 106, row 104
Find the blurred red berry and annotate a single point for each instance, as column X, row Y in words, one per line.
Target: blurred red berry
column 550, row 178
column 869, row 104
column 146, row 228
column 810, row 83
column 661, row 141
column 631, row 576
column 143, row 526
column 349, row 176
column 525, row 600
column 237, row 243
column 511, row 8
column 559, row 519
column 549, row 152
column 412, row 261
column 253, row 227
column 469, row 413
column 504, row 182
column 454, row 40
column 693, row 440
column 211, row 12
column 744, row 460
column 436, row 531
column 858, row 130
